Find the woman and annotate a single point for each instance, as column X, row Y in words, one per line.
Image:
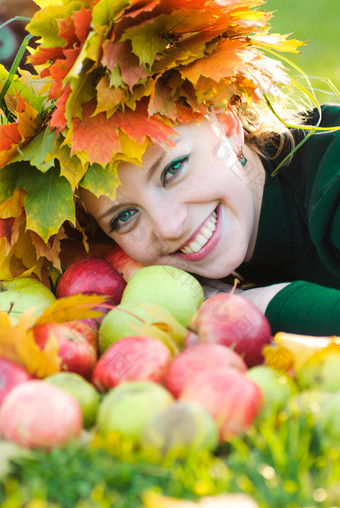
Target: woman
column 162, row 107
column 210, row 206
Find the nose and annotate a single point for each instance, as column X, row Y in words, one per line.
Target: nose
column 168, row 221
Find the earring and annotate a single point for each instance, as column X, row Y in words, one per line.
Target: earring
column 243, row 160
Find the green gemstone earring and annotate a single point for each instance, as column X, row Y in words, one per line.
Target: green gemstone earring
column 243, row 160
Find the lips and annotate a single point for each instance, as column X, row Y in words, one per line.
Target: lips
column 204, row 245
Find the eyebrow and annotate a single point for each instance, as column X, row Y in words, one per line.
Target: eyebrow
column 148, row 177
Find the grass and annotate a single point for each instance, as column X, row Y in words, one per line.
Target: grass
column 281, row 463
column 317, row 23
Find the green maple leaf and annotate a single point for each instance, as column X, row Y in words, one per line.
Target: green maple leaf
column 49, row 198
column 148, row 39
column 37, row 150
column 101, row 181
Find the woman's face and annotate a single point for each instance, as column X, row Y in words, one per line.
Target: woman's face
column 191, row 206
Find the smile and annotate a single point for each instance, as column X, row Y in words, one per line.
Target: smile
column 204, row 234
column 204, row 240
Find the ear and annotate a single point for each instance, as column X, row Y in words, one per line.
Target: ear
column 232, row 127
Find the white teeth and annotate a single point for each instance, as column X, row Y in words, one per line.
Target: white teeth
column 202, row 237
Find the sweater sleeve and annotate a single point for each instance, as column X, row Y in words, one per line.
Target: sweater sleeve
column 305, row 308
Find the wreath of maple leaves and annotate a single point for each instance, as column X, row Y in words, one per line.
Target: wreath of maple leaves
column 113, row 77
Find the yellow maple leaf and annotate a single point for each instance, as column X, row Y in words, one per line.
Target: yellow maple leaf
column 18, row 345
column 71, row 308
column 293, row 350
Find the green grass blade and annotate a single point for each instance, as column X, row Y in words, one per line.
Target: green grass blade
column 11, row 75
column 16, row 18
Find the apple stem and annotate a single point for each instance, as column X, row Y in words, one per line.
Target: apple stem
column 236, row 281
column 11, row 305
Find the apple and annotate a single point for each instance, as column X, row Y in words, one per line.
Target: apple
column 134, row 318
column 11, row 374
column 89, row 332
column 126, row 409
column 36, row 414
column 92, row 276
column 231, row 320
column 276, row 387
column 23, row 293
column 197, row 358
column 172, row 288
column 86, row 395
column 179, row 430
column 75, row 352
column 233, row 400
column 132, row 359
column 321, row 370
column 125, row 265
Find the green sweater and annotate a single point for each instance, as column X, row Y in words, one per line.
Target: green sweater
column 299, row 235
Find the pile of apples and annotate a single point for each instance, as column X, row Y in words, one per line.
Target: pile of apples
column 170, row 373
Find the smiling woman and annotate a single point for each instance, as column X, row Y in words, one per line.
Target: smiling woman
column 167, row 121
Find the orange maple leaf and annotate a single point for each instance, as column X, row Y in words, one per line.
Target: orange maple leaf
column 95, row 135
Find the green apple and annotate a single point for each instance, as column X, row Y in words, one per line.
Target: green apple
column 275, row 386
column 133, row 318
column 178, row 431
column 83, row 391
column 171, row 288
column 321, row 370
column 23, row 293
column 129, row 407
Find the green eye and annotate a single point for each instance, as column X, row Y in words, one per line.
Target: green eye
column 125, row 216
column 173, row 169
column 120, row 219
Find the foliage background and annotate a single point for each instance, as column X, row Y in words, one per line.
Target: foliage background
column 309, row 20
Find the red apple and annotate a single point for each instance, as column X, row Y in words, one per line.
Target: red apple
column 125, row 265
column 76, row 354
column 90, row 333
column 11, row 374
column 196, row 359
column 231, row 320
column 92, row 276
column 132, row 359
column 36, row 414
column 233, row 400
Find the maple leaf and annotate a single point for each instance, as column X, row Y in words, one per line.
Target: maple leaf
column 120, row 54
column 108, row 98
column 49, row 197
column 49, row 250
column 71, row 308
column 222, row 62
column 71, row 166
column 101, row 180
column 138, row 125
column 43, row 55
column 37, row 150
column 9, row 139
column 95, row 135
column 18, row 345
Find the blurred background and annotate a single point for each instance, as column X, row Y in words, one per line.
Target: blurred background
column 314, row 21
